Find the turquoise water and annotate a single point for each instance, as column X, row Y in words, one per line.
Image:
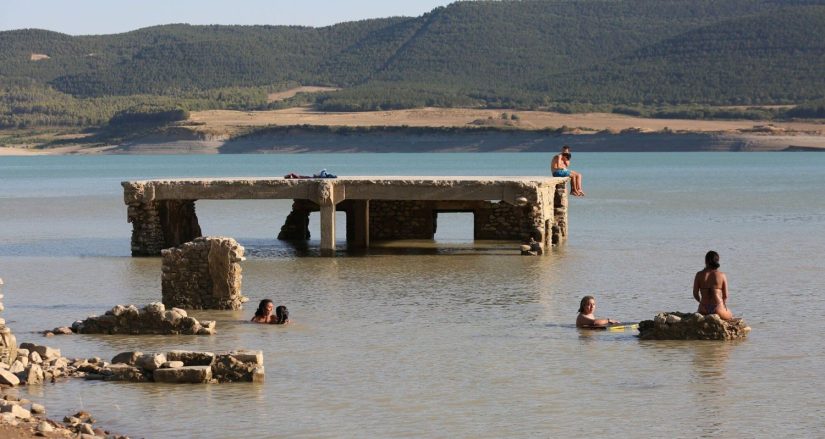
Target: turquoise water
column 451, row 337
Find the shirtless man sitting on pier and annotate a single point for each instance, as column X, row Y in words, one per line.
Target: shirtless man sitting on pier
column 559, row 166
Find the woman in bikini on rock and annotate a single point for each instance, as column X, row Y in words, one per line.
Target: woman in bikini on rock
column 710, row 288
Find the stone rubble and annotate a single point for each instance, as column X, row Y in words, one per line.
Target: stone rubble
column 8, row 343
column 151, row 319
column 32, row 364
column 692, row 326
column 81, row 425
column 203, row 274
column 170, row 367
column 181, row 367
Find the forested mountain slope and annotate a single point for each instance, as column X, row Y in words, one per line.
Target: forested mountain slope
column 478, row 53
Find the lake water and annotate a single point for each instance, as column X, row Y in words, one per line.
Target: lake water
column 449, row 338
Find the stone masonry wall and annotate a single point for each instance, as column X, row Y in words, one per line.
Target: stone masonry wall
column 418, row 219
column 162, row 224
column 147, row 233
column 203, row 274
column 559, row 229
column 401, row 220
column 506, row 221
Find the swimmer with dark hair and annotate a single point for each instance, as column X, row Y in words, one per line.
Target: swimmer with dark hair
column 281, row 316
column 264, row 312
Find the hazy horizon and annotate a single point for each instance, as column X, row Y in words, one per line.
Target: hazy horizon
column 96, row 17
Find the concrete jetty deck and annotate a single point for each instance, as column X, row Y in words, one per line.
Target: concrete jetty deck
column 162, row 212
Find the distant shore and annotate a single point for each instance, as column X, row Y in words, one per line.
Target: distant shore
column 299, row 130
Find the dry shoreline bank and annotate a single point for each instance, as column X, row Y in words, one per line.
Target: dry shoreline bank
column 297, row 130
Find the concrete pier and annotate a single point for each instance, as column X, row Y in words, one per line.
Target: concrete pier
column 162, row 212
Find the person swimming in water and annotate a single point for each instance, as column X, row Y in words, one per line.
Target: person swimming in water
column 264, row 312
column 586, row 319
column 281, row 316
column 710, row 288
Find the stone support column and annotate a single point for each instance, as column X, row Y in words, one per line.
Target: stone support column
column 560, row 213
column 326, row 199
column 296, row 226
column 328, row 230
column 158, row 224
column 147, row 232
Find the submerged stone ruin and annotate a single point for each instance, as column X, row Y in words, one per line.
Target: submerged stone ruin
column 151, row 319
column 162, row 212
column 692, row 326
column 180, row 367
column 37, row 364
column 203, row 274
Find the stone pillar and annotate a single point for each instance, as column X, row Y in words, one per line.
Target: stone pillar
column 203, row 274
column 157, row 224
column 560, row 213
column 8, row 343
column 161, row 224
column 147, row 232
column 296, row 226
column 326, row 200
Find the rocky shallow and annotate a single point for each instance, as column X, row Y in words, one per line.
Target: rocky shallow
column 692, row 326
column 151, row 319
column 21, row 418
column 34, row 364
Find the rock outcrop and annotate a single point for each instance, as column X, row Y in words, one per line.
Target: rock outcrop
column 8, row 343
column 151, row 319
column 35, row 364
column 203, row 274
column 692, row 326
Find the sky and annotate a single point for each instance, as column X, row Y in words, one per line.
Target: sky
column 92, row 17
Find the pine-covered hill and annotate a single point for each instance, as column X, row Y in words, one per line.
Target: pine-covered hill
column 177, row 57
column 493, row 53
column 776, row 57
